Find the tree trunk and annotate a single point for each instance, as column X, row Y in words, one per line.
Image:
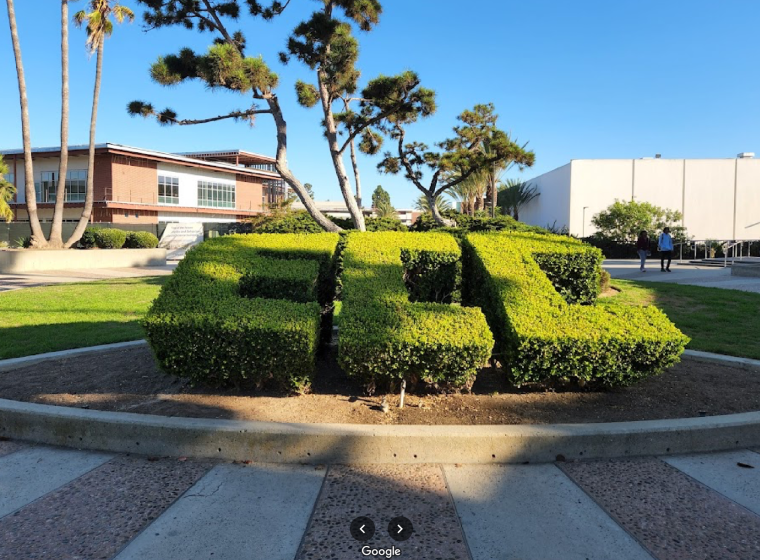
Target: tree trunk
column 90, row 194
column 281, row 164
column 357, row 178
column 56, row 230
column 38, row 239
column 492, row 181
column 337, row 157
column 436, row 213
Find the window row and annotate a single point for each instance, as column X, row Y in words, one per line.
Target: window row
column 76, row 186
column 217, row 195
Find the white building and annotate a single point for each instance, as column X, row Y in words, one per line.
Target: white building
column 719, row 198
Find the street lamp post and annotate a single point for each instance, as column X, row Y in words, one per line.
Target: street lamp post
column 583, row 227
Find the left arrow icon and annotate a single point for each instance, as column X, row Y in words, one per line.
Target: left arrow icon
column 362, row 529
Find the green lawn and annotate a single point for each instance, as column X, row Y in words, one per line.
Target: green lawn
column 50, row 318
column 717, row 320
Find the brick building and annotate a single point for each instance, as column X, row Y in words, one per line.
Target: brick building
column 136, row 186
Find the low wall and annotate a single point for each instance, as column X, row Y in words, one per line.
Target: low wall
column 750, row 270
column 30, row 260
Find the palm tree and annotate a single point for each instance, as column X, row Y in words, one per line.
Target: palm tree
column 470, row 192
column 99, row 26
column 6, row 193
column 56, row 229
column 384, row 209
column 38, row 238
column 515, row 194
column 423, row 205
column 493, row 174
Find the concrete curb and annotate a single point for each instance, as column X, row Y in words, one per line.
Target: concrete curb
column 13, row 363
column 122, row 432
column 709, row 357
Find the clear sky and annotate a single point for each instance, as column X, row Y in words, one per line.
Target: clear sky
column 584, row 79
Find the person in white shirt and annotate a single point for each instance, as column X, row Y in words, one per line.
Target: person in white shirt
column 665, row 247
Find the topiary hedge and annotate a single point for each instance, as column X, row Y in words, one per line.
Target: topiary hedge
column 211, row 325
column 384, row 337
column 539, row 336
column 109, row 238
column 87, row 241
column 141, row 240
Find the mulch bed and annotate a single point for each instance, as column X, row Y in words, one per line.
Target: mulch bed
column 130, row 381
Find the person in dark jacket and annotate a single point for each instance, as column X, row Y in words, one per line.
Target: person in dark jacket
column 642, row 248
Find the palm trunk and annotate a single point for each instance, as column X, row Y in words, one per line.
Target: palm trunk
column 38, row 239
column 337, row 157
column 90, row 194
column 281, row 164
column 357, row 178
column 56, row 230
column 492, row 181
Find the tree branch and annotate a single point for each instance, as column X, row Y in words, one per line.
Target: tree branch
column 234, row 115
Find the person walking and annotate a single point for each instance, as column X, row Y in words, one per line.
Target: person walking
column 642, row 248
column 665, row 247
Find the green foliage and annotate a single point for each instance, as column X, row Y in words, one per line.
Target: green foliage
column 432, row 276
column 291, row 279
column 88, row 241
column 385, row 210
column 7, row 192
column 110, row 238
column 384, row 224
column 294, row 222
column 515, row 194
column 24, row 242
column 201, row 326
column 623, row 220
column 141, row 240
column 384, row 337
column 542, row 338
column 380, row 196
column 479, row 222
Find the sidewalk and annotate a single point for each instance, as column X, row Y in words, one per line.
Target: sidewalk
column 46, row 277
column 693, row 275
column 74, row 504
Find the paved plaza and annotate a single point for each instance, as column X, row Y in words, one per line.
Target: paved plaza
column 681, row 273
column 67, row 504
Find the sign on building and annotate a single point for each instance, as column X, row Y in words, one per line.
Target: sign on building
column 178, row 238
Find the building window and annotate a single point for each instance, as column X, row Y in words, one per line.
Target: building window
column 48, row 183
column 76, row 185
column 10, row 178
column 216, row 195
column 168, row 190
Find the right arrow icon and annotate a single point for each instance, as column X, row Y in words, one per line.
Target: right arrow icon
column 400, row 529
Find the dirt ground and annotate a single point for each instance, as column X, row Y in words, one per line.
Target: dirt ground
column 130, row 381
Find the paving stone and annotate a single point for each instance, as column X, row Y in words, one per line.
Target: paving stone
column 233, row 512
column 383, row 492
column 30, row 473
column 94, row 516
column 8, row 446
column 735, row 474
column 671, row 514
column 534, row 512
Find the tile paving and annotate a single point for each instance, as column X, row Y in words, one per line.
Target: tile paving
column 697, row 506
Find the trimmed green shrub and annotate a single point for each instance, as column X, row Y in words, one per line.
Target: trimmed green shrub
column 479, row 222
column 201, row 327
column 109, row 238
column 539, row 336
column 294, row 222
column 141, row 240
column 87, row 241
column 294, row 280
column 384, row 224
column 384, row 337
column 432, row 276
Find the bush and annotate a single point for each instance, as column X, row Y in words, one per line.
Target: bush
column 480, row 222
column 384, row 224
column 432, row 276
column 622, row 221
column 87, row 241
column 539, row 336
column 384, row 337
column 294, row 280
column 201, row 327
column 141, row 240
column 110, row 238
column 295, row 222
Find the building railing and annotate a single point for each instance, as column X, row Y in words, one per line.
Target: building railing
column 732, row 248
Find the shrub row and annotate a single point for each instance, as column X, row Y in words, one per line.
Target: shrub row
column 110, row 238
column 383, row 336
column 215, row 320
column 480, row 222
column 300, row 221
column 539, row 336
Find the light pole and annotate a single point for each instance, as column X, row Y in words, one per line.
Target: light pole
column 583, row 227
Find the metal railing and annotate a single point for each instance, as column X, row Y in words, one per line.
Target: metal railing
column 736, row 248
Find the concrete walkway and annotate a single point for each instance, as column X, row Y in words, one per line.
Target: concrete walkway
column 693, row 275
column 69, row 504
column 46, row 277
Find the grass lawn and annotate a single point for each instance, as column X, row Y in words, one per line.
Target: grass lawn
column 50, row 318
column 717, row 320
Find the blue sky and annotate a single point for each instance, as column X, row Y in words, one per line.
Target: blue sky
column 585, row 79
